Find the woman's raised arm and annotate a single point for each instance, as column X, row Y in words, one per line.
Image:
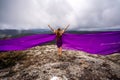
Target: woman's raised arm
column 66, row 27
column 51, row 28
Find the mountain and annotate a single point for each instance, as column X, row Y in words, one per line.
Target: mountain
column 16, row 33
column 7, row 33
column 43, row 63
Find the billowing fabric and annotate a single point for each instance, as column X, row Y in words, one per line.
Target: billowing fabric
column 25, row 42
column 102, row 43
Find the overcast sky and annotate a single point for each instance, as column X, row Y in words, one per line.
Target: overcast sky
column 80, row 14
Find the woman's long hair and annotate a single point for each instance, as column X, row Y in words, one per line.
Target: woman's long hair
column 58, row 33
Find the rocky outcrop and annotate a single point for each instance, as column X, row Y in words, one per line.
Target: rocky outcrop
column 43, row 63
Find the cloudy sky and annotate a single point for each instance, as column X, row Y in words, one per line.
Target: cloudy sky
column 80, row 14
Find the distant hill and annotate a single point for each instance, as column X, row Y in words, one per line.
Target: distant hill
column 7, row 33
column 15, row 33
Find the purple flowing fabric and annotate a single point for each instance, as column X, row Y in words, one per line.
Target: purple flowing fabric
column 25, row 42
column 102, row 43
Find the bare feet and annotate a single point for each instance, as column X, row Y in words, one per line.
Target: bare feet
column 59, row 54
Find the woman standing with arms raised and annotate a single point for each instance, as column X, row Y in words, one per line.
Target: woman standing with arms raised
column 59, row 42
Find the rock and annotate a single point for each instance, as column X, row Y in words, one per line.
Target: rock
column 43, row 63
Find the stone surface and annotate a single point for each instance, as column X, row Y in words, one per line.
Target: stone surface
column 43, row 63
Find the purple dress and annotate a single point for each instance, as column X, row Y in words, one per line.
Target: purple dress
column 59, row 42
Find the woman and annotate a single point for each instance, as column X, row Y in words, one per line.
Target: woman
column 59, row 33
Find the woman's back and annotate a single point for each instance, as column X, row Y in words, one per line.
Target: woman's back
column 59, row 42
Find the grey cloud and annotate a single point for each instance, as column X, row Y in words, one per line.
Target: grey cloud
column 102, row 13
column 25, row 14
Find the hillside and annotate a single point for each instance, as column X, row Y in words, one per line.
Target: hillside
column 43, row 63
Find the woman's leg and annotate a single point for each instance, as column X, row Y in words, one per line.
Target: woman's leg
column 60, row 51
